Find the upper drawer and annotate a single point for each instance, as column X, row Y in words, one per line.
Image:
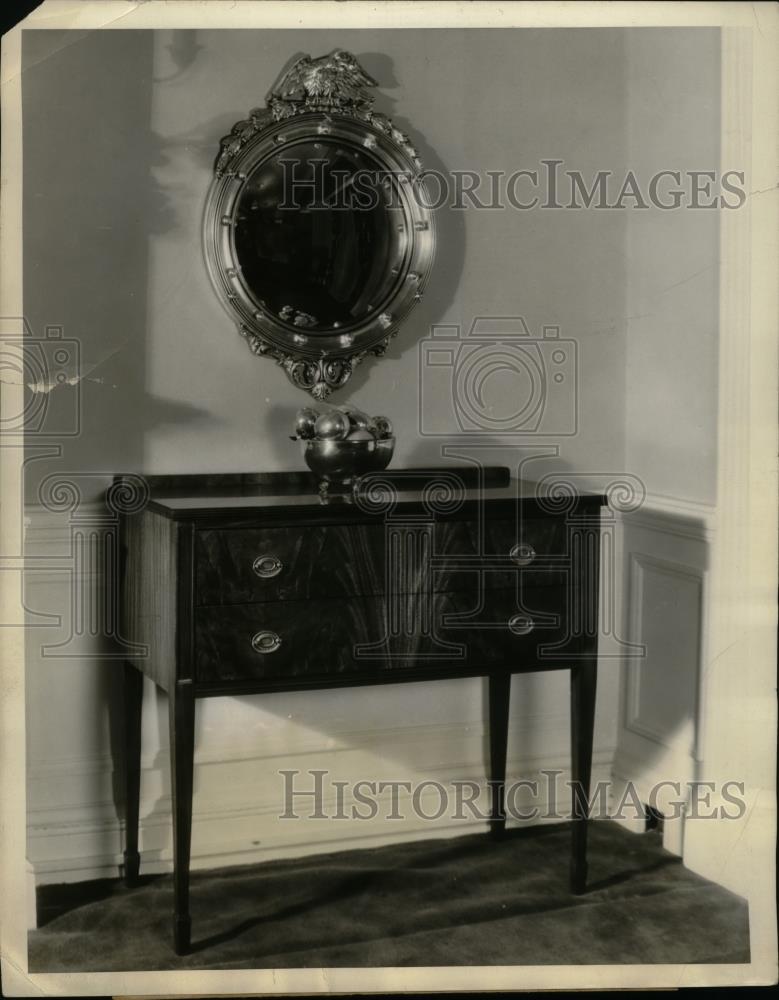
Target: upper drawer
column 250, row 565
column 538, row 548
column 244, row 565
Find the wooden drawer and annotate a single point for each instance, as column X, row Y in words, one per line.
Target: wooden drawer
column 248, row 565
column 325, row 638
column 244, row 565
column 499, row 553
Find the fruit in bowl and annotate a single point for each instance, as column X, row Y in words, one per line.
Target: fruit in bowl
column 358, row 421
column 341, row 444
column 383, row 427
column 305, row 423
column 332, row 426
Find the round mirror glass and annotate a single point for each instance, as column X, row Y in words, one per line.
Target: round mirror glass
column 319, row 235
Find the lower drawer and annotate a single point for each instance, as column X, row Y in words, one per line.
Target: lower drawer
column 306, row 639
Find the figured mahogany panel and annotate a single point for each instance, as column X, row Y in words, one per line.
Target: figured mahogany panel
column 500, row 553
column 305, row 562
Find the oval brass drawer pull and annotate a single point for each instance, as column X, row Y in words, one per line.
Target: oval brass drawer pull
column 522, row 554
column 267, row 566
column 521, row 624
column 266, row 642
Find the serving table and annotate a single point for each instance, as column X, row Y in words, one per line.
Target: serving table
column 236, row 584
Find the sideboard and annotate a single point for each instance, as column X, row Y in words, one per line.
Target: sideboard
column 246, row 583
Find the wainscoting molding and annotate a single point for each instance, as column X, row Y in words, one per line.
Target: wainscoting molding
column 664, row 557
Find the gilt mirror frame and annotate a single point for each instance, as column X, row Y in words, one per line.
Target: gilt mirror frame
column 324, row 102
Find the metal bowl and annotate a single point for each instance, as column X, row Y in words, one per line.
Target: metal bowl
column 342, row 461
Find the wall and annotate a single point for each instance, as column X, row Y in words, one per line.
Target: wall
column 178, row 388
column 489, row 262
column 90, row 207
column 133, row 125
column 673, row 280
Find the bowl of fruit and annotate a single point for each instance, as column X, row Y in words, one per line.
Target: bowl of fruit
column 341, row 444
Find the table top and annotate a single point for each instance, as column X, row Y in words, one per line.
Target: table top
column 432, row 492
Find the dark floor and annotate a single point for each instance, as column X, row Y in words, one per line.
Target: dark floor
column 465, row 901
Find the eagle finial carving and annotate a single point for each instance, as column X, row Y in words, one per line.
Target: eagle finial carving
column 336, row 80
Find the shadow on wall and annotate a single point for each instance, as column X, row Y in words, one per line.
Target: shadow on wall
column 91, row 203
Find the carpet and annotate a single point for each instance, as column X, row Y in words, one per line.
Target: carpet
column 465, row 901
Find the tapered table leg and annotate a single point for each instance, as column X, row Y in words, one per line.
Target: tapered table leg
column 583, row 687
column 499, row 692
column 182, row 747
column 133, row 701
